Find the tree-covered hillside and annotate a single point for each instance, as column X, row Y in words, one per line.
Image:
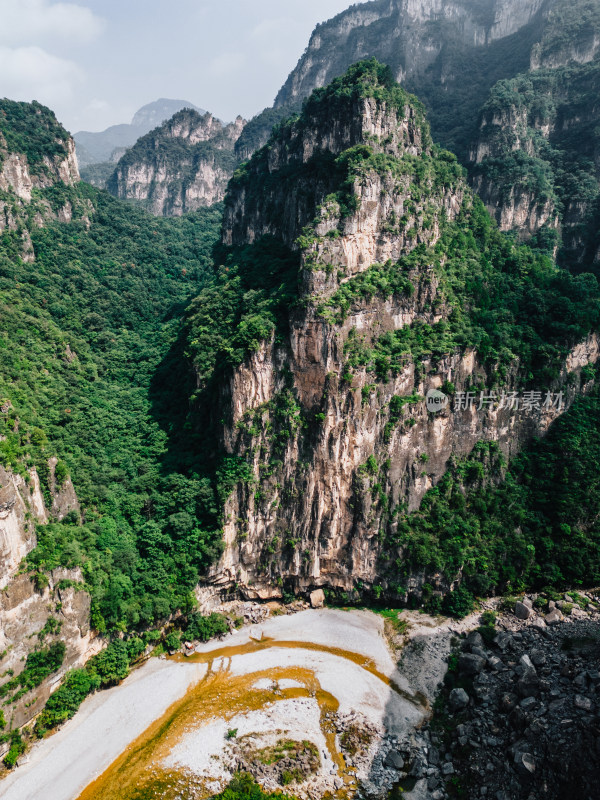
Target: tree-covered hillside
column 33, row 130
column 84, row 330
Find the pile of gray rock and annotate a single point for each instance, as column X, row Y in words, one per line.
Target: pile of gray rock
column 520, row 714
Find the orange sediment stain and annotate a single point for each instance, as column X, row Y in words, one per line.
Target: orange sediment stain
column 137, row 775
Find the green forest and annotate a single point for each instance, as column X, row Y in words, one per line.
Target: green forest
column 84, row 335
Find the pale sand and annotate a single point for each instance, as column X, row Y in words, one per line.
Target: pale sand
column 294, row 719
column 61, row 766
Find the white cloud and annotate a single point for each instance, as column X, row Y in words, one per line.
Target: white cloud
column 26, row 22
column 30, row 73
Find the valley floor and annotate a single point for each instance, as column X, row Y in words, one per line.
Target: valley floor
column 320, row 678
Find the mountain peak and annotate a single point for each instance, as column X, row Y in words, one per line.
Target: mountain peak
column 358, row 122
column 153, row 114
column 96, row 147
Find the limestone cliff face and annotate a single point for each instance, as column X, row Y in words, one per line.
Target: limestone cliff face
column 517, row 207
column 25, row 614
column 313, row 522
column 18, row 177
column 22, row 185
column 409, row 35
column 179, row 167
column 279, row 212
column 32, row 615
column 535, row 160
column 571, row 35
column 305, row 423
column 21, row 506
column 435, row 48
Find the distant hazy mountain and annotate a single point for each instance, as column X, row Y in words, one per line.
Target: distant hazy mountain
column 93, row 148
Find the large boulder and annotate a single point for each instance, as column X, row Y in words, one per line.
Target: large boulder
column 394, row 760
column 317, row 598
column 522, row 611
column 458, row 700
column 524, row 764
column 554, row 617
column 470, row 664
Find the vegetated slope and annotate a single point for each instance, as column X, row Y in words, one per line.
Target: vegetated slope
column 37, row 155
column 528, row 525
column 180, row 166
column 358, row 273
column 84, row 329
column 535, row 160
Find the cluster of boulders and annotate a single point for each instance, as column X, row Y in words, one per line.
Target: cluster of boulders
column 253, row 613
column 405, row 764
column 520, row 714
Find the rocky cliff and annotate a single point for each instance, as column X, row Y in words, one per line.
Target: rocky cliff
column 326, row 423
column 181, row 166
column 535, row 160
column 37, row 163
column 413, row 37
column 32, row 619
column 95, row 148
column 430, row 46
column 21, row 506
column 36, row 611
column 524, row 141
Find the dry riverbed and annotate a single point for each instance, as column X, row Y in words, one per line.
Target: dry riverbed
column 313, row 701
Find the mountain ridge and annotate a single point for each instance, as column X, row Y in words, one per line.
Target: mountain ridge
column 182, row 165
column 98, row 147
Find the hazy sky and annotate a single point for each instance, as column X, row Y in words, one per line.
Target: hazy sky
column 95, row 62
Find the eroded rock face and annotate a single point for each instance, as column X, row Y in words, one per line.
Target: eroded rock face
column 409, row 35
column 181, row 166
column 60, row 609
column 21, row 506
column 34, row 614
column 64, row 499
column 316, row 513
column 16, row 175
column 517, row 208
column 534, row 160
column 309, row 517
column 18, row 182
